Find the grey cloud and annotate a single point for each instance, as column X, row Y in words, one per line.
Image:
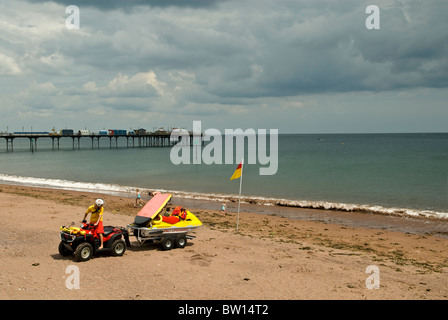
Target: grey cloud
column 336, row 53
column 128, row 5
column 278, row 48
column 235, row 54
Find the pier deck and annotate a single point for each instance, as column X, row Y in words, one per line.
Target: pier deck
column 145, row 140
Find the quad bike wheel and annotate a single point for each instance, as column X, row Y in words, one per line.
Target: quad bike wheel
column 84, row 252
column 63, row 250
column 118, row 247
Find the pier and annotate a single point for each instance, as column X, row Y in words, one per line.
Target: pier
column 153, row 139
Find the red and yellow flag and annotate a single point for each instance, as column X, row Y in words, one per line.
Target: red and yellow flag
column 237, row 172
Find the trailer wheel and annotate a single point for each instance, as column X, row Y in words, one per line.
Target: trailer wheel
column 167, row 243
column 181, row 241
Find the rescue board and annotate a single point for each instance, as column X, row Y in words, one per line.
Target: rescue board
column 153, row 207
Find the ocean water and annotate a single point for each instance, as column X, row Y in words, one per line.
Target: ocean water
column 384, row 173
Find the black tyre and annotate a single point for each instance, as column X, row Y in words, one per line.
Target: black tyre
column 118, row 248
column 181, row 241
column 84, row 252
column 63, row 250
column 167, row 243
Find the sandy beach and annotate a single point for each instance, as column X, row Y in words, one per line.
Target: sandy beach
column 270, row 257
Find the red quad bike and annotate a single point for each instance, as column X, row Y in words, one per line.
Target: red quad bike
column 83, row 244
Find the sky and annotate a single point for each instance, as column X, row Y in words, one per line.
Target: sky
column 299, row 66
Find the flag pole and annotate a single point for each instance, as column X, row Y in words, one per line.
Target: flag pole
column 239, row 196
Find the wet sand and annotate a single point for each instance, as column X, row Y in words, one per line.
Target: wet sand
column 408, row 224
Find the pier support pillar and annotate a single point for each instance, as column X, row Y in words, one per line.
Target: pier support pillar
column 9, row 142
column 33, row 144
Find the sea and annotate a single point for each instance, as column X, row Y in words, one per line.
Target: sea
column 393, row 174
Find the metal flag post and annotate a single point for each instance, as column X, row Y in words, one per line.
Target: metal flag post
column 239, row 196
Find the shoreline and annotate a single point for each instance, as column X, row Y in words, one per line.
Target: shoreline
column 126, row 190
column 373, row 220
column 269, row 257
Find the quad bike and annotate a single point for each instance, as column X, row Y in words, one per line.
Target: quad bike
column 83, row 243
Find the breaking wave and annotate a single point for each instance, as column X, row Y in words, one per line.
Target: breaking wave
column 114, row 189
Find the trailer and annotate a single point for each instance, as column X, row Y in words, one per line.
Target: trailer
column 174, row 238
column 153, row 225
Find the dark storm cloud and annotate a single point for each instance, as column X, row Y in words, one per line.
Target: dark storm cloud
column 129, row 4
column 273, row 49
column 321, row 50
column 221, row 57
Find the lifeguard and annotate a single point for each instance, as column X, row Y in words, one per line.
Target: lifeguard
column 96, row 219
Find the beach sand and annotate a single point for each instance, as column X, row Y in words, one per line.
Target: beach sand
column 269, row 257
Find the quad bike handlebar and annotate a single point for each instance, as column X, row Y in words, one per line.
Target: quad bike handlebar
column 86, row 225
